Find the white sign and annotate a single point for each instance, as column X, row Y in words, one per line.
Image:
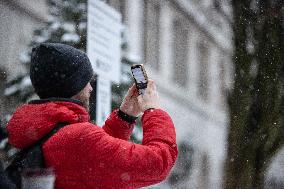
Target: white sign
column 104, row 39
column 103, row 102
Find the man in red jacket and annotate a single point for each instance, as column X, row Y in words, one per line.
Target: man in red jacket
column 82, row 154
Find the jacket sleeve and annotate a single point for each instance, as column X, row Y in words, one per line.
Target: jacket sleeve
column 118, row 128
column 137, row 165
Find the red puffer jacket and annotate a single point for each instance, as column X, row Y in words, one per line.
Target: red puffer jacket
column 85, row 156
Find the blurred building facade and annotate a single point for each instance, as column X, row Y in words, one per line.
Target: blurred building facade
column 18, row 19
column 186, row 46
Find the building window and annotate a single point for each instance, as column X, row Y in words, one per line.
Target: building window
column 217, row 5
column 180, row 53
column 152, row 34
column 204, row 172
column 120, row 6
column 184, row 165
column 203, row 84
column 222, row 78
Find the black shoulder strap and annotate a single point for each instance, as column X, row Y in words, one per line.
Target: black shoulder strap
column 52, row 132
column 41, row 141
column 20, row 156
column 31, row 157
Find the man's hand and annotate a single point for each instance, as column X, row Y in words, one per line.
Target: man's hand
column 150, row 98
column 129, row 104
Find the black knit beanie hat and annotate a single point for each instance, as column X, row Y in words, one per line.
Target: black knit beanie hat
column 59, row 70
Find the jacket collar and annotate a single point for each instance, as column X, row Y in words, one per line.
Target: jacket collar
column 40, row 101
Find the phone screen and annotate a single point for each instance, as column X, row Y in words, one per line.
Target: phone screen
column 140, row 77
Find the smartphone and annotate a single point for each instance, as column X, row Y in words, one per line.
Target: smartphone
column 140, row 77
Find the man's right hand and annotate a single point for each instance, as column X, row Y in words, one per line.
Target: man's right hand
column 150, row 98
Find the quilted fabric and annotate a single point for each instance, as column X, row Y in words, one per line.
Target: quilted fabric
column 85, row 156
